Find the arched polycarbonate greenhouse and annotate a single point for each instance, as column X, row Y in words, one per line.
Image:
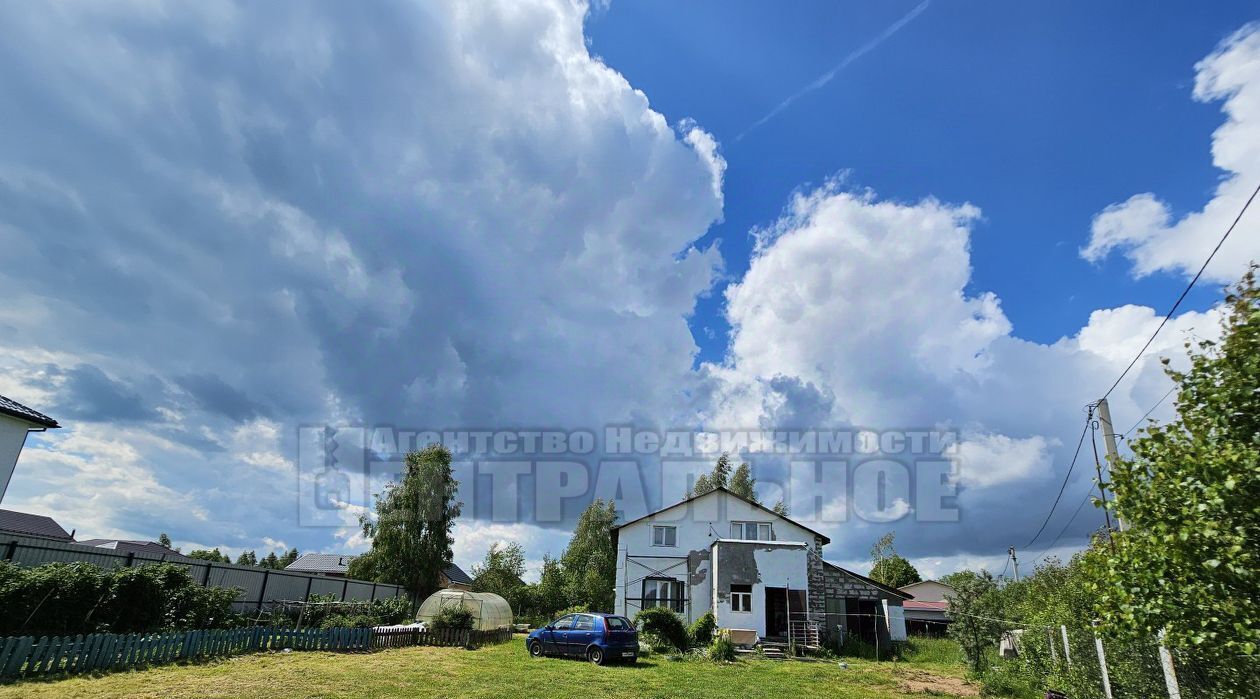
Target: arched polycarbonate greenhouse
column 489, row 611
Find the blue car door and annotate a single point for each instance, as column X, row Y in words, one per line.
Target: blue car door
column 556, row 639
column 582, row 635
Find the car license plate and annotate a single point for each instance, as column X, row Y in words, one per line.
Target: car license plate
column 628, row 654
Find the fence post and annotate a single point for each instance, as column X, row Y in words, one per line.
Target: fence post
column 1170, row 670
column 12, row 550
column 262, row 592
column 306, row 601
column 373, row 592
column 345, row 588
column 1102, row 662
column 131, row 558
column 205, row 579
column 1054, row 652
column 1067, row 648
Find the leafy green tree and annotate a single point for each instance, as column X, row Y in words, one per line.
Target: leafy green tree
column 500, row 572
column 888, row 567
column 1188, row 561
column 270, row 561
column 247, row 558
column 721, row 472
column 742, row 482
column 589, row 561
column 781, row 509
column 212, row 555
column 411, row 534
column 289, row 557
column 164, row 540
column 549, row 595
column 701, row 486
column 739, row 481
column 363, row 567
column 895, row 571
column 974, row 609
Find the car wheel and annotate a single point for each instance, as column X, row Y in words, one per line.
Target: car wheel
column 536, row 649
column 595, row 655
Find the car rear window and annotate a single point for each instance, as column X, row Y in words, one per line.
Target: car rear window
column 616, row 623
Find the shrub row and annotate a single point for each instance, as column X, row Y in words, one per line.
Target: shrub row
column 74, row 598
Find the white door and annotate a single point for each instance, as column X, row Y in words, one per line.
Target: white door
column 896, row 616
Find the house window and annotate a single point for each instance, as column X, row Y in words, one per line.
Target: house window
column 663, row 592
column 664, row 536
column 752, row 531
column 741, row 598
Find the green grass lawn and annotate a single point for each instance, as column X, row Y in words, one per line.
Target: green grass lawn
column 507, row 670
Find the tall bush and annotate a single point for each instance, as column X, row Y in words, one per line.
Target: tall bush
column 665, row 625
column 453, row 617
column 701, row 630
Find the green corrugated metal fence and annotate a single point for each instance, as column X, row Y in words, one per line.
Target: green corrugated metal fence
column 28, row 656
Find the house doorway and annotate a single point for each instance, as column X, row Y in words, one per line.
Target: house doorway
column 782, row 604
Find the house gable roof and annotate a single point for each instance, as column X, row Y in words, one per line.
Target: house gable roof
column 32, row 525
column 321, row 563
column 826, row 539
column 339, row 563
column 457, row 575
column 12, row 408
column 133, row 546
column 924, row 582
column 890, row 590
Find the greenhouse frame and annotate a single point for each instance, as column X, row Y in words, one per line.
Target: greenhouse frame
column 489, row 610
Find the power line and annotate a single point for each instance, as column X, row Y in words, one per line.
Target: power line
column 1148, row 413
column 1065, row 482
column 1181, row 298
column 1072, row 519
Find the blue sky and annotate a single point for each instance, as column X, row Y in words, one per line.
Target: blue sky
column 1041, row 115
column 225, row 222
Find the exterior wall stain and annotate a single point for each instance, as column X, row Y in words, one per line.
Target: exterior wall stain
column 696, row 573
column 739, row 567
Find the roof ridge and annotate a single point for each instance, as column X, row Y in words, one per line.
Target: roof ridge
column 12, row 408
column 732, row 493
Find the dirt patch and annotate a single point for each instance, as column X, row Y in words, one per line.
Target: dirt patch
column 918, row 682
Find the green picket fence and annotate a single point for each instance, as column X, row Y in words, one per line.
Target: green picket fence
column 26, row 656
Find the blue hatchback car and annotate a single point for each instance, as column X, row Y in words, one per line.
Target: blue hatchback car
column 600, row 638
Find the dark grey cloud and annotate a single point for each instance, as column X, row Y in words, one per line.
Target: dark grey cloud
column 257, row 216
column 87, row 393
column 214, row 395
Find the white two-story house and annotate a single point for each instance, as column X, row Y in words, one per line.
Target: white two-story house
column 753, row 568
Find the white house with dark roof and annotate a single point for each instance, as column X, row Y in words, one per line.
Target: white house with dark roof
column 335, row 565
column 17, row 421
column 755, row 569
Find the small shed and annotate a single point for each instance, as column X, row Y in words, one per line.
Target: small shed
column 489, row 610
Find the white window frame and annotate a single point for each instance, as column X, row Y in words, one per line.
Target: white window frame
column 670, row 587
column 741, row 599
column 764, row 530
column 665, row 529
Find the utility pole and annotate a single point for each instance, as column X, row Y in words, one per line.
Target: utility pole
column 1014, row 561
column 1102, row 491
column 1109, row 439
